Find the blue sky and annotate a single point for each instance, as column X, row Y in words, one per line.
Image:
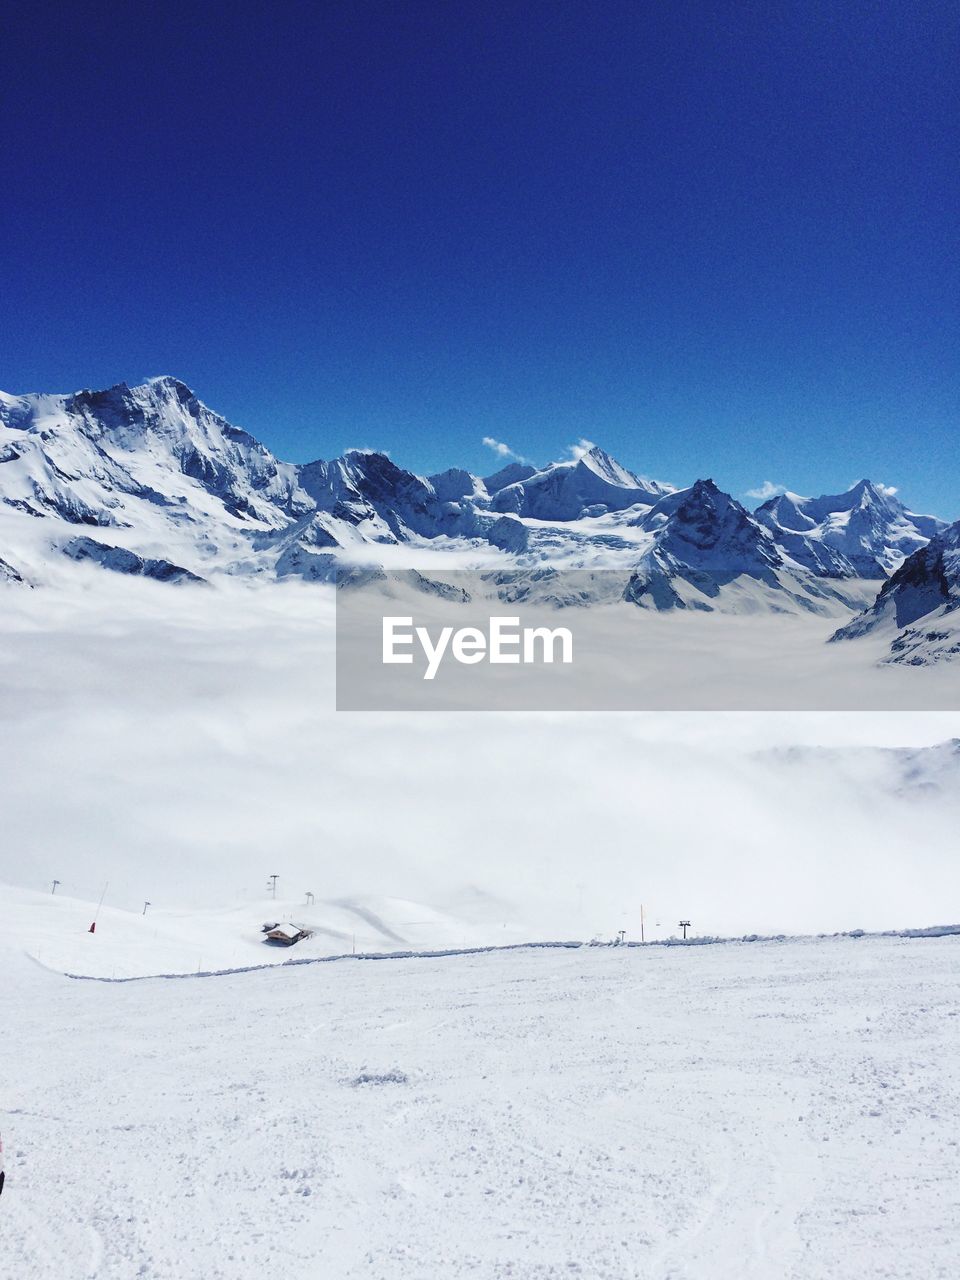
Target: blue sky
column 718, row 239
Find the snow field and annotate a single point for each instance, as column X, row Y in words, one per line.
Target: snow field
column 719, row 1113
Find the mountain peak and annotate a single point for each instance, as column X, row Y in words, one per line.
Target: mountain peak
column 121, row 400
column 167, row 382
column 596, row 454
column 590, row 483
column 512, row 473
column 704, row 510
column 356, row 454
column 865, row 532
column 704, row 540
column 607, row 467
column 869, row 489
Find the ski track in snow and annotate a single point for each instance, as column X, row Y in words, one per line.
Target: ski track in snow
column 777, row 1110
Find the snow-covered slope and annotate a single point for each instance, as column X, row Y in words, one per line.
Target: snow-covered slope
column 92, row 457
column 866, row 532
column 919, row 605
column 54, row 930
column 150, row 468
column 733, row 1112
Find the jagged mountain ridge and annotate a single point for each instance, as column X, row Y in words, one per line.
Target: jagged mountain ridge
column 919, row 605
column 865, row 532
column 706, row 545
column 176, row 487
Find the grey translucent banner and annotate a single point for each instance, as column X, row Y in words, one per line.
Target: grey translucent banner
column 581, row 640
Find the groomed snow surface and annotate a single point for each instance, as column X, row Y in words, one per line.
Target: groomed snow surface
column 765, row 1110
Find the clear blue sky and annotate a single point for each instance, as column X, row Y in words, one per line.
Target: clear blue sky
column 718, row 239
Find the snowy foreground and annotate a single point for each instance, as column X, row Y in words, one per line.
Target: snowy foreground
column 738, row 1110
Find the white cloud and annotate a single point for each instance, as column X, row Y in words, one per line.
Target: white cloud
column 152, row 699
column 576, row 451
column 766, row 490
column 887, row 489
column 501, row 450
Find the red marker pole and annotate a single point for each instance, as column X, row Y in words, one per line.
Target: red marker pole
column 93, row 926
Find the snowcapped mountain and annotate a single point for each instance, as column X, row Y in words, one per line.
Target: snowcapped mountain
column 176, row 484
column 166, row 488
column 705, row 546
column 866, row 532
column 925, row 590
column 91, row 457
column 702, row 539
column 589, row 485
column 171, row 479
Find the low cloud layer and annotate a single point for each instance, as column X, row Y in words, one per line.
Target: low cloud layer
column 183, row 747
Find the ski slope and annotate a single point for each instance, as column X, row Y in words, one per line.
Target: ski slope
column 727, row 1112
column 54, row 930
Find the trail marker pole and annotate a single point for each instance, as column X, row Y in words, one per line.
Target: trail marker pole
column 93, row 926
column 643, row 937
